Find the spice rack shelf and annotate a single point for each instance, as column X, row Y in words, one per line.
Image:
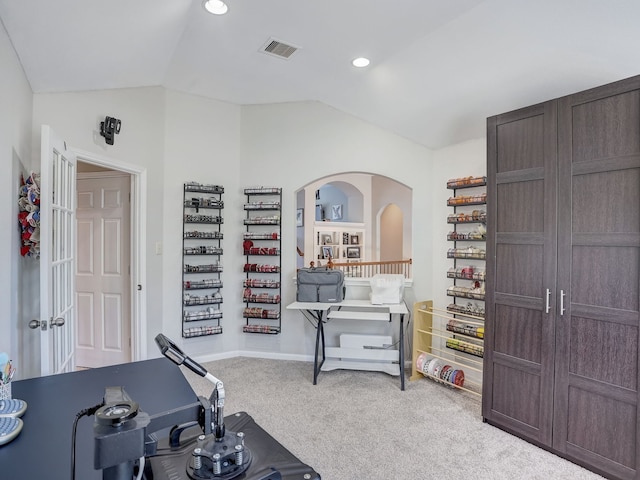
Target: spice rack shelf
column 476, row 216
column 469, row 237
column 201, row 252
column 469, row 310
column 261, row 247
column 465, row 292
column 467, row 273
column 467, row 200
column 469, row 253
column 466, row 182
column 465, row 219
column 449, row 343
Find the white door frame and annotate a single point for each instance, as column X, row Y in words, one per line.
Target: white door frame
column 138, row 245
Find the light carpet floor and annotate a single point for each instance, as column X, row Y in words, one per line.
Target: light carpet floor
column 357, row 425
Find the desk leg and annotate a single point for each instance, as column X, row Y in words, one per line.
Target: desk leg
column 402, row 352
column 319, row 336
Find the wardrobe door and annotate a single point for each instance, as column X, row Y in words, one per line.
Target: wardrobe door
column 521, row 268
column 596, row 380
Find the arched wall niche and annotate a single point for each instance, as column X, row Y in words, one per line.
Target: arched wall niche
column 363, row 197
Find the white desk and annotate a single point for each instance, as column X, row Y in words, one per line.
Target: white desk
column 321, row 312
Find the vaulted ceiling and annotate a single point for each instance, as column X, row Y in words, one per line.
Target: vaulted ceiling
column 438, row 67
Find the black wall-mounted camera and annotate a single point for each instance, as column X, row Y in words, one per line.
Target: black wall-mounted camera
column 109, row 128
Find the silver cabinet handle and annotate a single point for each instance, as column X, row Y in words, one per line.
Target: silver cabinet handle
column 547, row 302
column 562, row 309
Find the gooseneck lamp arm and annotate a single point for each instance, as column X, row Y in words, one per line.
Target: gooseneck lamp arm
column 177, row 356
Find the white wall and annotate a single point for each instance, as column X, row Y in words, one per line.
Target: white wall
column 17, row 273
column 178, row 138
column 291, row 145
column 203, row 145
column 76, row 118
column 460, row 160
column 175, row 138
column 391, row 228
column 387, row 192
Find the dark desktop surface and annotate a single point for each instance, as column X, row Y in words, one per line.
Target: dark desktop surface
column 43, row 448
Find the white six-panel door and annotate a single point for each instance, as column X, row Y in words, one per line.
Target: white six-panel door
column 102, row 270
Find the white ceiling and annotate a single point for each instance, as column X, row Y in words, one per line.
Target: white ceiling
column 439, row 67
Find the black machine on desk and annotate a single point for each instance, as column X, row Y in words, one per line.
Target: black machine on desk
column 125, row 437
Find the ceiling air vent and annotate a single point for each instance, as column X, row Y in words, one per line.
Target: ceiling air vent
column 278, row 49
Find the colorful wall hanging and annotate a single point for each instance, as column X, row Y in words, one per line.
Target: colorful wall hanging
column 29, row 216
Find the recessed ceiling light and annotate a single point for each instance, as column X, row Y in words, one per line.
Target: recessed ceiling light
column 360, row 62
column 217, row 7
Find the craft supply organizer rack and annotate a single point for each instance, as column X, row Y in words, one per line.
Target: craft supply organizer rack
column 444, row 343
column 261, row 247
column 468, row 236
column 201, row 253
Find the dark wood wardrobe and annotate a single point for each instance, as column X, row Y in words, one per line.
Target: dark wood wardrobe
column 561, row 363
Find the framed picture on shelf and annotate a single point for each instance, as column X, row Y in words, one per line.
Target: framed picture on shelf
column 336, row 212
column 300, row 217
column 327, row 239
column 353, row 252
column 327, row 252
column 355, row 239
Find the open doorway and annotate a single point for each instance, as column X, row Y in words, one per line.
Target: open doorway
column 110, row 266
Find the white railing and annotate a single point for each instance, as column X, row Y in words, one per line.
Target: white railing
column 369, row 269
